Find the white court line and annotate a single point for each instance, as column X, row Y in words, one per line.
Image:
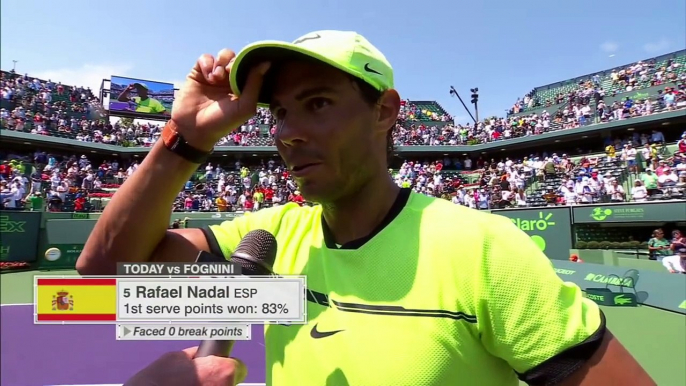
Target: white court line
column 28, row 304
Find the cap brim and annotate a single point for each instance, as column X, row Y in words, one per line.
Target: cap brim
column 274, row 52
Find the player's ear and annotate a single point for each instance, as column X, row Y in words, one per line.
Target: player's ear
column 389, row 108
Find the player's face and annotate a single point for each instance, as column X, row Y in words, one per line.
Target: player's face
column 326, row 133
column 142, row 91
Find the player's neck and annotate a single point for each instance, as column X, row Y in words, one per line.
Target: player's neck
column 357, row 216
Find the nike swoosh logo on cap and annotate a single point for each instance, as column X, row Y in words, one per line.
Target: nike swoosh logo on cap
column 314, row 333
column 366, row 68
column 317, row 36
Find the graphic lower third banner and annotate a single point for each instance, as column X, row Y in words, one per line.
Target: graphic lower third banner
column 85, row 300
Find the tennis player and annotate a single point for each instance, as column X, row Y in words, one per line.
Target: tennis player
column 403, row 289
column 144, row 103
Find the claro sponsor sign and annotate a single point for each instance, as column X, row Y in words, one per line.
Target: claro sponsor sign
column 550, row 228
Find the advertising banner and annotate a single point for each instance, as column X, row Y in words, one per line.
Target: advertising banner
column 662, row 290
column 549, row 228
column 659, row 212
column 135, row 96
column 19, row 235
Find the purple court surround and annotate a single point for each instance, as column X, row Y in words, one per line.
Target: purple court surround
column 39, row 355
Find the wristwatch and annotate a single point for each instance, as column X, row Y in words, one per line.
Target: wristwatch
column 177, row 144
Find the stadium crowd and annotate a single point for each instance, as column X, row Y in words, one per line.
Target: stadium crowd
column 43, row 107
column 75, row 183
column 634, row 168
column 629, row 78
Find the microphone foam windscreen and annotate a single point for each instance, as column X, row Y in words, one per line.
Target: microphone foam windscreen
column 257, row 248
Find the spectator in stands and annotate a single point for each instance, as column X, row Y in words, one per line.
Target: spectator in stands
column 667, row 180
column 659, row 246
column 550, row 197
column 615, row 191
column 650, row 181
column 657, row 137
column 520, row 198
column 629, row 156
column 681, row 145
column 678, row 240
column 669, row 97
column 7, row 197
column 680, row 186
column 639, row 193
column 55, row 202
column 611, row 152
column 35, row 201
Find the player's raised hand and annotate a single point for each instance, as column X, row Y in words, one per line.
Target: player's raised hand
column 206, row 109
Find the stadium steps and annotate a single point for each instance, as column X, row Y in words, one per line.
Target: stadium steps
column 536, row 191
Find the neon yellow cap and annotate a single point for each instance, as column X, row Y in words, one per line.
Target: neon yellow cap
column 345, row 50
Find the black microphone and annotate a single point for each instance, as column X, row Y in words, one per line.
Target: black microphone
column 255, row 255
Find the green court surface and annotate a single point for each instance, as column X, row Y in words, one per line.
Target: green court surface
column 656, row 338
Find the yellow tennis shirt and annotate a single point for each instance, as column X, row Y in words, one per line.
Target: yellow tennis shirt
column 439, row 295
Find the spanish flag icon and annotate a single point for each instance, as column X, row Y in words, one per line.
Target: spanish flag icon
column 75, row 300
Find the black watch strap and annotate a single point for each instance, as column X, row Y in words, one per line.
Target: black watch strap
column 176, row 143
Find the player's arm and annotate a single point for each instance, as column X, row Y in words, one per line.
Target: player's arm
column 543, row 327
column 133, row 226
column 610, row 365
column 124, row 96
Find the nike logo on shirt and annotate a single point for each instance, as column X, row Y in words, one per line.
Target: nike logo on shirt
column 316, row 334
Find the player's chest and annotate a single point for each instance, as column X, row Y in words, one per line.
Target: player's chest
column 356, row 343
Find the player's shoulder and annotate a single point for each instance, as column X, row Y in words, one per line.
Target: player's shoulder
column 443, row 213
column 280, row 216
column 473, row 234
